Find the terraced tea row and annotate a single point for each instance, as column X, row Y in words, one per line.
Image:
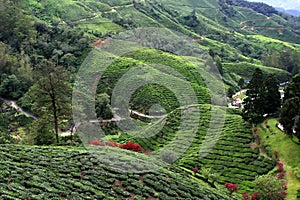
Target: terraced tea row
column 232, row 156
column 29, row 172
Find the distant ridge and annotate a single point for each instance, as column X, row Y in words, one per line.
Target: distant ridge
column 291, row 7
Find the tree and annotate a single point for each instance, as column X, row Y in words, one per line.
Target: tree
column 241, row 83
column 293, row 88
column 230, row 92
column 254, row 102
column 103, row 108
column 42, row 131
column 269, row 187
column 288, row 114
column 290, row 111
column 52, row 92
column 273, row 97
column 16, row 27
column 11, row 87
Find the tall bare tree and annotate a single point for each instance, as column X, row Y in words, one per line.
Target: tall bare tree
column 52, row 93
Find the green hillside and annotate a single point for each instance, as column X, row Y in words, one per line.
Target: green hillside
column 169, row 66
column 231, row 156
column 31, row 172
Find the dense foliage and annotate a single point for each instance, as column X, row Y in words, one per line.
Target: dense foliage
column 263, row 97
column 289, row 116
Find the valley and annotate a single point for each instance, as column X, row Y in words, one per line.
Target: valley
column 122, row 99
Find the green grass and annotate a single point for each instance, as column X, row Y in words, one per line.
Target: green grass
column 288, row 154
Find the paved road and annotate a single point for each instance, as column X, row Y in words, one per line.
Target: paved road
column 19, row 109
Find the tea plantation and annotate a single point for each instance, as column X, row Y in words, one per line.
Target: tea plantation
column 231, row 157
column 30, row 172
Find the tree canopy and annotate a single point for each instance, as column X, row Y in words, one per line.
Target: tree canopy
column 290, row 111
column 263, row 97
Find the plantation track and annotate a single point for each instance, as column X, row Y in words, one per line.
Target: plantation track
column 19, row 109
column 251, row 20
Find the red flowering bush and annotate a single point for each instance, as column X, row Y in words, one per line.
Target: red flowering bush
column 258, row 140
column 97, row 143
column 280, row 167
column 131, row 146
column 255, row 131
column 281, row 175
column 195, row 170
column 282, row 195
column 246, row 196
column 284, row 186
column 276, row 154
column 231, row 187
column 255, row 196
column 112, row 144
column 147, row 152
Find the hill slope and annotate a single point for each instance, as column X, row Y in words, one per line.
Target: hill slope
column 29, row 172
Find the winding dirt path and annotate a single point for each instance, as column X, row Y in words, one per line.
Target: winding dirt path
column 147, row 116
column 251, row 20
column 16, row 107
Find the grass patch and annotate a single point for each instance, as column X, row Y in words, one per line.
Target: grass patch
column 288, row 154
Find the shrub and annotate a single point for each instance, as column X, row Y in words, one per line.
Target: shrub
column 112, row 144
column 245, row 196
column 276, row 154
column 231, row 187
column 284, row 186
column 97, row 143
column 195, row 170
column 269, row 187
column 255, row 196
column 297, row 172
column 282, row 195
column 280, row 167
column 168, row 156
column 281, row 175
column 147, row 152
column 131, row 146
column 41, row 131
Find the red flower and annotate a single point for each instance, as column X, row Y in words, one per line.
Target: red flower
column 131, row 146
column 246, row 196
column 231, row 187
column 195, row 170
column 97, row 143
column 112, row 144
column 284, row 186
column 276, row 154
column 280, row 166
column 255, row 196
column 255, row 131
column 281, row 175
column 282, row 194
column 147, row 152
